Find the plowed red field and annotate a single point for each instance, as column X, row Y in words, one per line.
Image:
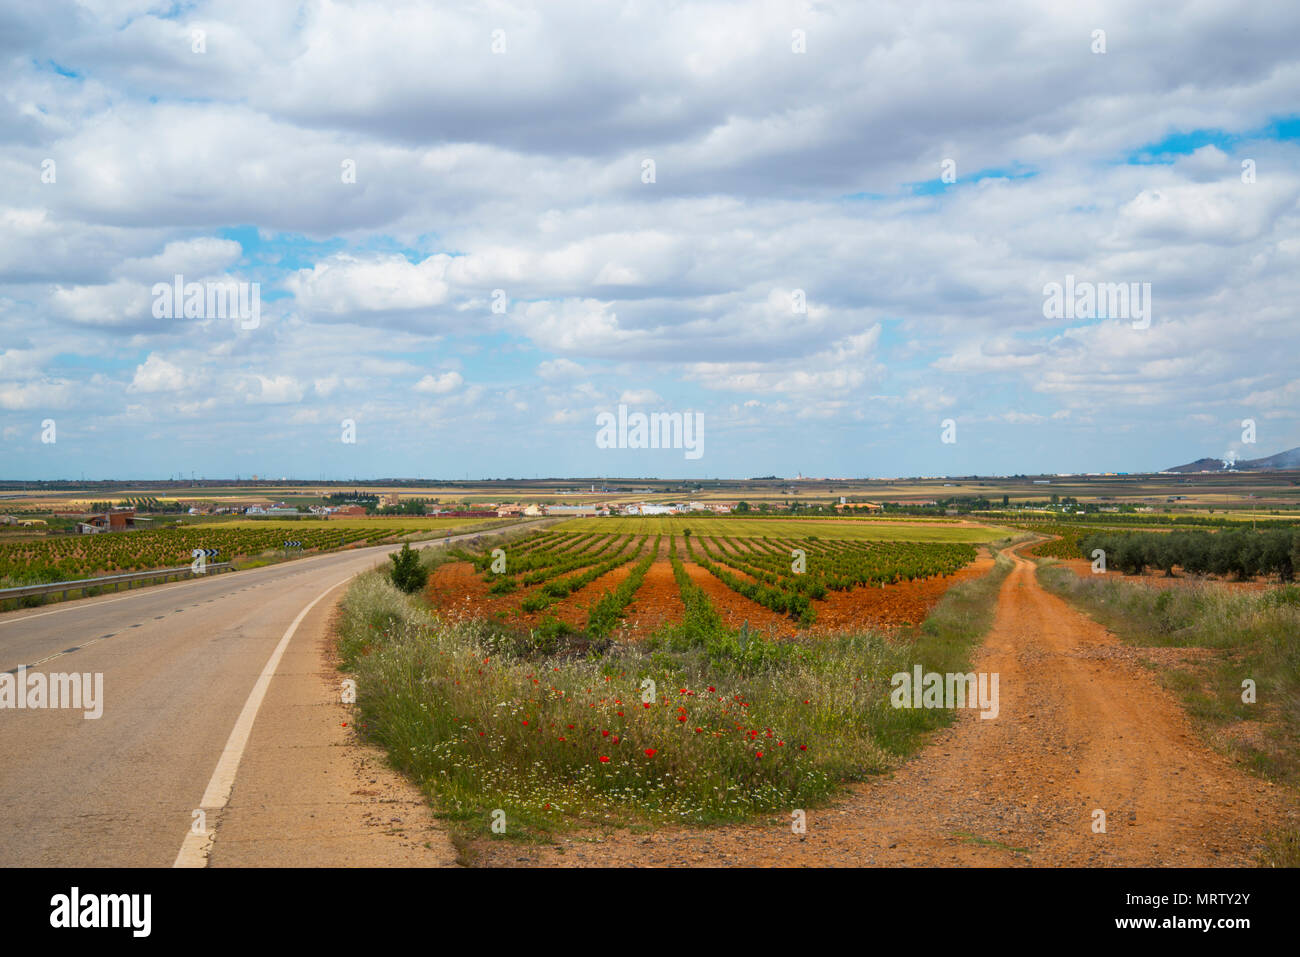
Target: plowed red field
column 458, row 587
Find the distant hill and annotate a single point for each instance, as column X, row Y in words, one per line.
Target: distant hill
column 1289, row 459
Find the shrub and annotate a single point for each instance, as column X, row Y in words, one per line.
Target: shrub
column 407, row 573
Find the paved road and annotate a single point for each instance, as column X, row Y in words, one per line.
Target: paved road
column 179, row 662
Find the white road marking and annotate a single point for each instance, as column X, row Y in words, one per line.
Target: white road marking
column 196, row 847
column 60, row 654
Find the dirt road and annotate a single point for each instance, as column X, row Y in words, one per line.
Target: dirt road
column 1083, row 727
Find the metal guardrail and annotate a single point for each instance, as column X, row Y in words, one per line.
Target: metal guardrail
column 84, row 584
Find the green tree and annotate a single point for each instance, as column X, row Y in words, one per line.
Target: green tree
column 1166, row 551
column 1276, row 554
column 407, row 573
column 1130, row 555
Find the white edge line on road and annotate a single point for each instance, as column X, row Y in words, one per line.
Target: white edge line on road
column 194, row 850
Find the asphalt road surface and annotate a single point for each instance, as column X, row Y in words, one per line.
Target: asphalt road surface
column 215, row 697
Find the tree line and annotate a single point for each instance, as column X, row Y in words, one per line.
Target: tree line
column 1240, row 552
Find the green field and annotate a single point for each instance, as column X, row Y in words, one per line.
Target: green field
column 874, row 530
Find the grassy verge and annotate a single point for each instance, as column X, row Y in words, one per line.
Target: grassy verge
column 1254, row 635
column 698, row 725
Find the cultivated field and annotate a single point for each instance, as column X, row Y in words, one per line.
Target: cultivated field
column 830, row 528
column 657, row 671
column 631, row 575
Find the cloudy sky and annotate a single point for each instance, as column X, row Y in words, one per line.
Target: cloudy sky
column 474, row 226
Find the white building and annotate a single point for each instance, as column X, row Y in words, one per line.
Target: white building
column 649, row 508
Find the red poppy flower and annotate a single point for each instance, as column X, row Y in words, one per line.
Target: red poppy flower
column 604, row 759
column 604, row 734
column 803, row 747
column 681, row 717
column 711, row 688
column 699, row 730
column 759, row 755
column 650, row 752
column 646, row 704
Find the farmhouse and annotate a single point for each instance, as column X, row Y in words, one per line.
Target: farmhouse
column 347, row 511
column 117, row 520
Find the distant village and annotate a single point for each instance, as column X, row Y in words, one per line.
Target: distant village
column 107, row 517
column 387, row 503
column 116, row 518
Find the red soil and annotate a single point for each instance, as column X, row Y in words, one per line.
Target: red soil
column 456, row 586
column 574, row 609
column 655, row 603
column 736, row 609
column 892, row 606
